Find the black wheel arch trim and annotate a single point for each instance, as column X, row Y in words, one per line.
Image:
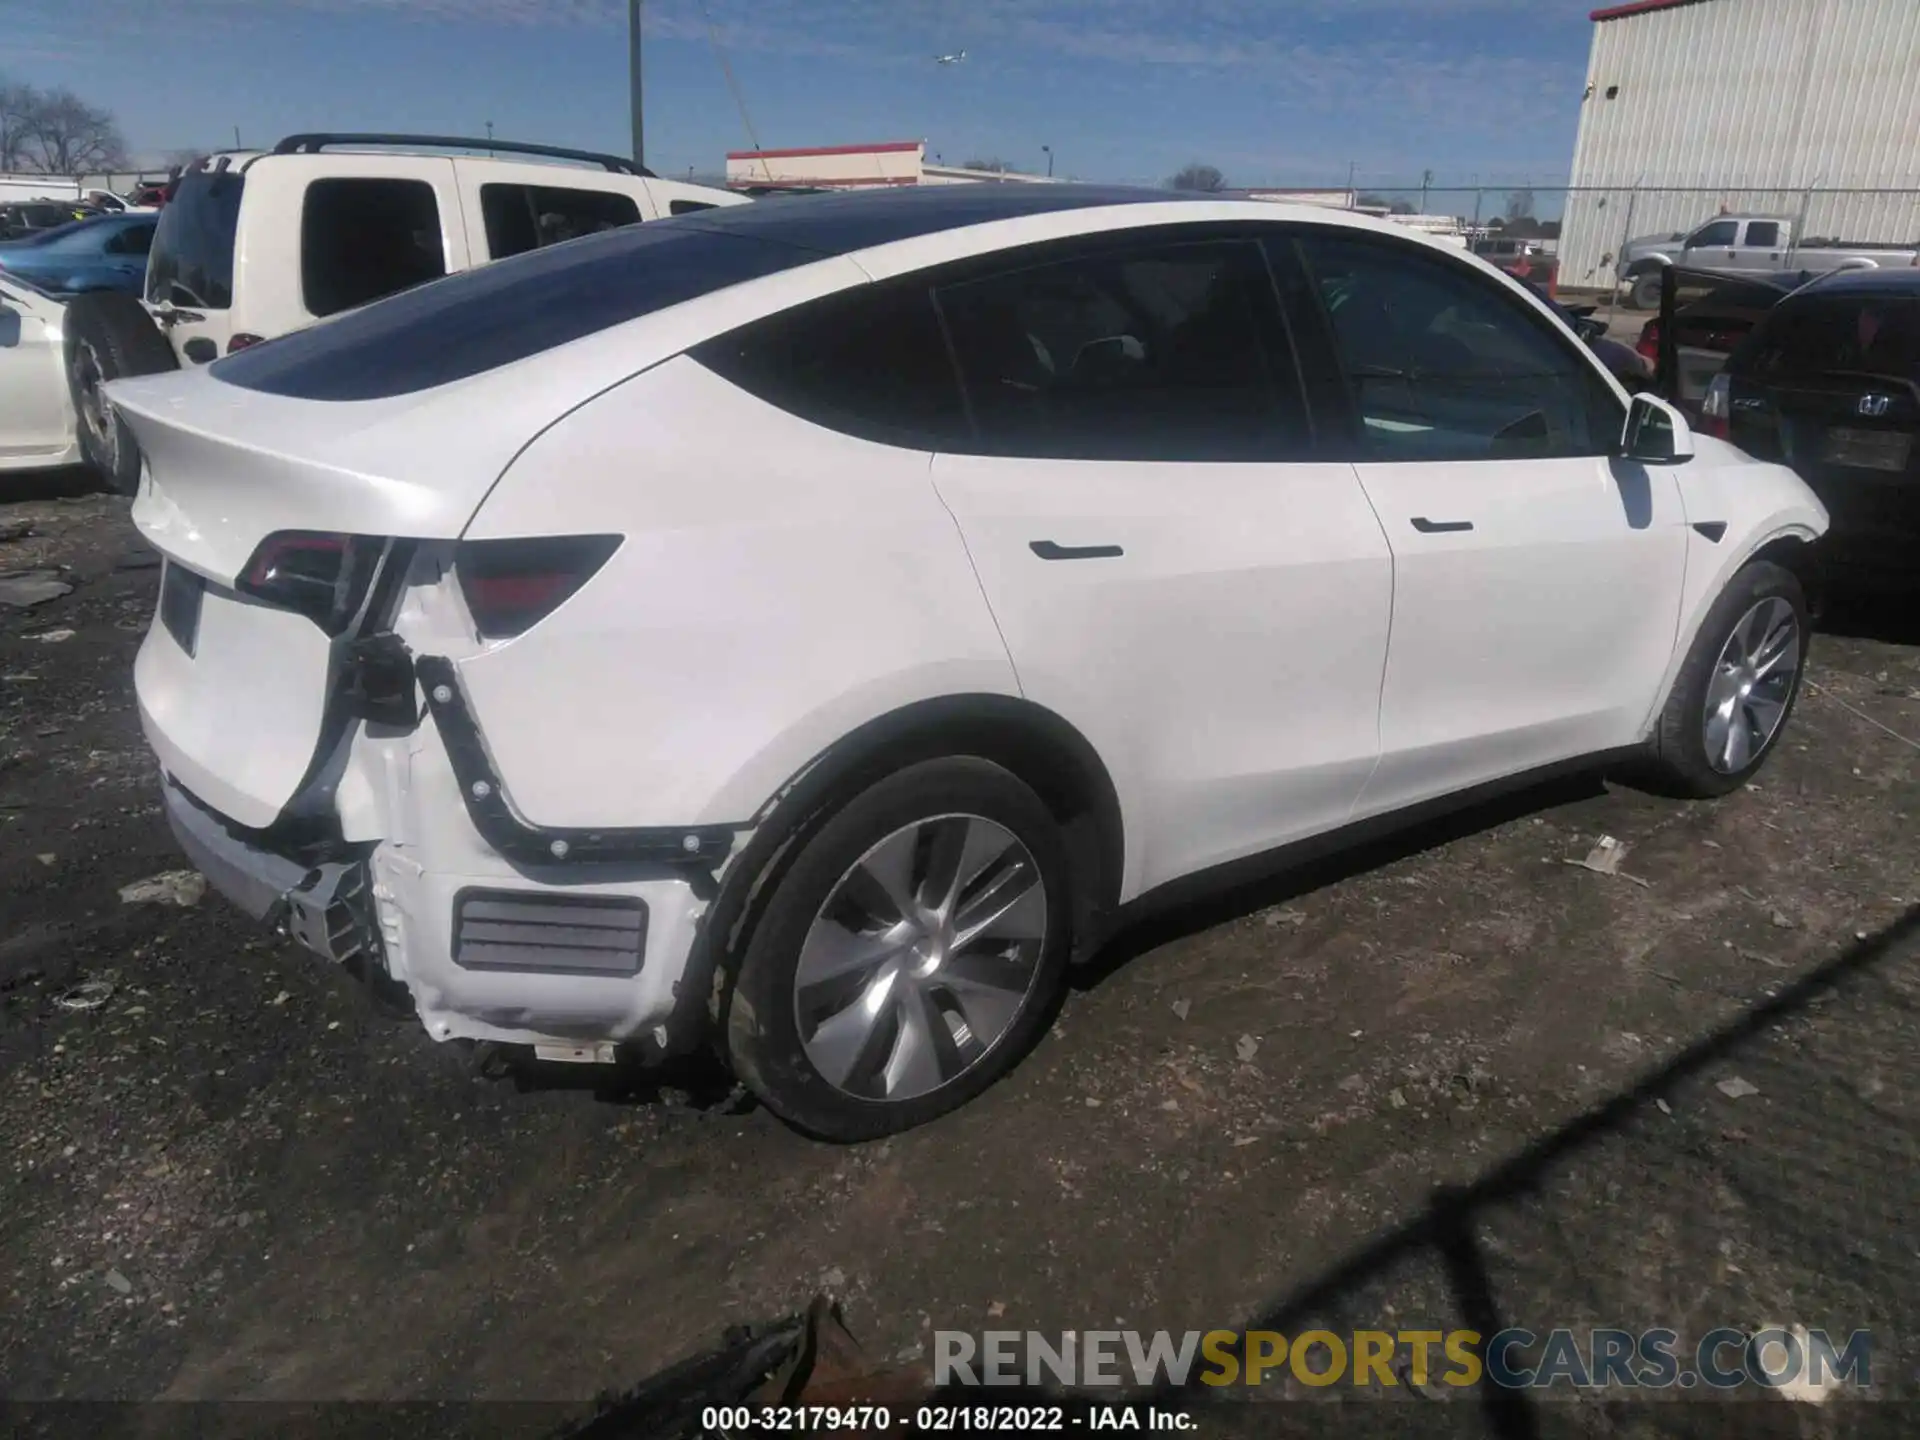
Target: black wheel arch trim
column 981, row 725
column 505, row 827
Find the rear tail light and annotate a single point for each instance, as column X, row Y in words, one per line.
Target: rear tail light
column 242, row 340
column 1648, row 345
column 325, row 577
column 512, row 585
column 1716, row 409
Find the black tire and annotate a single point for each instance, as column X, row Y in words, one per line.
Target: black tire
column 1643, row 291
column 110, row 336
column 1679, row 763
column 764, row 1040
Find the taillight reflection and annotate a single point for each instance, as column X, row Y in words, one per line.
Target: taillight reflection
column 321, row 575
column 512, row 585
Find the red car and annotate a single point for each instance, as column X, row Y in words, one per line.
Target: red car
column 1528, row 260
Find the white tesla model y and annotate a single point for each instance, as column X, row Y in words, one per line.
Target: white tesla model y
column 809, row 625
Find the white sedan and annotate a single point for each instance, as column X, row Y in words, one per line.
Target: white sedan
column 36, row 415
column 810, row 626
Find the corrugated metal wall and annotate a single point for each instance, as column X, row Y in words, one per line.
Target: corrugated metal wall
column 1749, row 104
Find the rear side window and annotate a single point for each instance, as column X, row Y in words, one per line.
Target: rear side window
column 869, row 362
column 1816, row 334
column 1443, row 364
column 192, row 257
column 362, row 239
column 131, row 240
column 496, row 314
column 1165, row 352
column 1764, row 233
column 520, row 218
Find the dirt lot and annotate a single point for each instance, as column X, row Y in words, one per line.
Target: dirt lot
column 232, row 1179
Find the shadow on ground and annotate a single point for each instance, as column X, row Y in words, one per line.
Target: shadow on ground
column 1820, row 1176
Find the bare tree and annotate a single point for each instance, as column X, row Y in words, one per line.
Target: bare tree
column 1205, row 178
column 18, row 107
column 74, row 138
column 1520, row 204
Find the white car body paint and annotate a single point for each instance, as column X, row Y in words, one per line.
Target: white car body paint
column 1226, row 666
column 36, row 413
column 1759, row 504
column 1276, row 651
column 734, row 697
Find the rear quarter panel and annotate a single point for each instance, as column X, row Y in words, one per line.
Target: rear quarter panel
column 780, row 584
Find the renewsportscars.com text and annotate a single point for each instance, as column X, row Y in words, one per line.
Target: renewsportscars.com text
column 1724, row 1359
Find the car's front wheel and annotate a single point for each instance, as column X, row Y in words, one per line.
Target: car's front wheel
column 910, row 956
column 1734, row 692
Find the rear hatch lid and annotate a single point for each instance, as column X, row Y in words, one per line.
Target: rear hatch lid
column 236, row 693
column 1831, row 385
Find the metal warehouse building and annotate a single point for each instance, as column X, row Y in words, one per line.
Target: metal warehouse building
column 1804, row 108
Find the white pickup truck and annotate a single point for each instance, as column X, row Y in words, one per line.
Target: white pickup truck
column 1737, row 245
column 255, row 244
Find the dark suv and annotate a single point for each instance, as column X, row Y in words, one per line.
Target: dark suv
column 1829, row 383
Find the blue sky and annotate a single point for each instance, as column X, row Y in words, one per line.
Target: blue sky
column 1271, row 91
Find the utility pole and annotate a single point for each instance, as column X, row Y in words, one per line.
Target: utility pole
column 1426, row 184
column 489, row 137
column 1049, row 150
column 634, row 82
column 1353, row 168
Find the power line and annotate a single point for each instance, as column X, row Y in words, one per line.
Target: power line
column 739, row 100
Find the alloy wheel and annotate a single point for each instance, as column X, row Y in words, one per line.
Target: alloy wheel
column 1752, row 684
column 94, row 412
column 922, row 957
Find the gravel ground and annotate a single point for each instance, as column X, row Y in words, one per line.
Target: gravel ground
column 1453, row 1079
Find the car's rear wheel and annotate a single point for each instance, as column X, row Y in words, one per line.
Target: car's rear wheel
column 910, row 956
column 110, row 336
column 1737, row 687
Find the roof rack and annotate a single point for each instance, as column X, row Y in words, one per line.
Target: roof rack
column 312, row 144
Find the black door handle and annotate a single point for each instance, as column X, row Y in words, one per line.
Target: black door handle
column 1439, row 527
column 1047, row 550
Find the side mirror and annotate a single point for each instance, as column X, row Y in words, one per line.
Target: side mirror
column 1656, row 434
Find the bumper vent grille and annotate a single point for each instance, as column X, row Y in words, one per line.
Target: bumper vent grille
column 549, row 934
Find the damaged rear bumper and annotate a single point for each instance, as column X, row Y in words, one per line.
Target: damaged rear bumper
column 323, row 906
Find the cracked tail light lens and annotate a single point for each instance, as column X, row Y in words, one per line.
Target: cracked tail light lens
column 320, row 575
column 512, row 585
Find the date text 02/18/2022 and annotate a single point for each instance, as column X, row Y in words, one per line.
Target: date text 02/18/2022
column 939, row 1419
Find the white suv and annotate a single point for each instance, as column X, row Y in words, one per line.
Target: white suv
column 810, row 625
column 257, row 244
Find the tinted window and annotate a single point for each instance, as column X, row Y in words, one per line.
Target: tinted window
column 1720, row 232
column 1868, row 335
column 525, row 217
column 1443, row 364
column 689, row 207
column 130, row 240
column 192, row 258
column 487, row 317
column 361, row 239
column 1764, row 233
column 870, row 362
column 1166, row 353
